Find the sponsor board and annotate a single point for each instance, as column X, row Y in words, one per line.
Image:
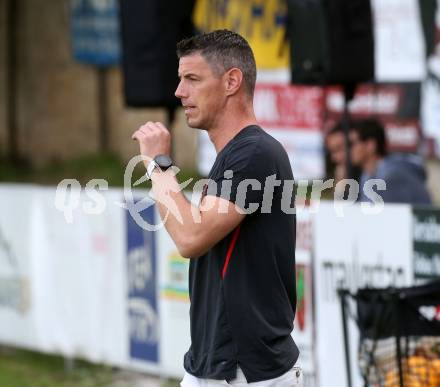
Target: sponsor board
column 303, row 332
column 174, row 305
column 73, row 288
column 78, row 279
column 354, row 251
column 95, row 31
column 142, row 289
column 426, row 244
column 17, row 305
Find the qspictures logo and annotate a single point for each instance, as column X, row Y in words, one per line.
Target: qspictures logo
column 69, row 195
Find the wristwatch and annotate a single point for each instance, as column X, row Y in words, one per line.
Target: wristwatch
column 160, row 161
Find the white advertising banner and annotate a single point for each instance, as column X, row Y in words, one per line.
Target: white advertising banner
column 79, row 279
column 399, row 43
column 353, row 251
column 17, row 304
column 62, row 279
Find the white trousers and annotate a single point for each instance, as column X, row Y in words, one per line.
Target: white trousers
column 291, row 378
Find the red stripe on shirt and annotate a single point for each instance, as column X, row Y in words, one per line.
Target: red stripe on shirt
column 230, row 250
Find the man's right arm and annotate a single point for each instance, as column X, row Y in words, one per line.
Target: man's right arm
column 193, row 229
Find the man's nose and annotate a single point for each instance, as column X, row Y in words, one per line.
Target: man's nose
column 179, row 93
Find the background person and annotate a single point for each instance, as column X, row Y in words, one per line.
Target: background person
column 404, row 174
column 337, row 154
column 335, row 146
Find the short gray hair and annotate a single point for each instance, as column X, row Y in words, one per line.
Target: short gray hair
column 223, row 50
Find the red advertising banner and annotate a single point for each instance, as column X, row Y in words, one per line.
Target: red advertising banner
column 396, row 105
column 281, row 106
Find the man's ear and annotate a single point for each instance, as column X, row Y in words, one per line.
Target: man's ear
column 233, row 80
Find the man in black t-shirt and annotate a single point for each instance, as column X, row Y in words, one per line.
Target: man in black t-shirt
column 241, row 238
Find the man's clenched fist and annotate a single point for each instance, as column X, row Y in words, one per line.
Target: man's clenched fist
column 154, row 139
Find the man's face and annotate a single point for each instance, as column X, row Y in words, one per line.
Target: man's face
column 201, row 92
column 358, row 149
column 336, row 148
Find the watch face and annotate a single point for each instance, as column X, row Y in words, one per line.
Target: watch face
column 163, row 161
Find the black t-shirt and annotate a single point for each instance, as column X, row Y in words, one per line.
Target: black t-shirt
column 243, row 290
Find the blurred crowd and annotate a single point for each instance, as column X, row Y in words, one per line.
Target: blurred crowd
column 358, row 150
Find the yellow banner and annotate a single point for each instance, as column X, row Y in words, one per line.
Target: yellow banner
column 261, row 22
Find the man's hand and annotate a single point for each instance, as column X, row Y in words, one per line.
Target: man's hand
column 154, row 139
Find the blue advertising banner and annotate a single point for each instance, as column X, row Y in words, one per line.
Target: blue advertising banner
column 142, row 293
column 95, row 32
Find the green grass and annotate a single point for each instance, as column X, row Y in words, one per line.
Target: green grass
column 21, row 368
